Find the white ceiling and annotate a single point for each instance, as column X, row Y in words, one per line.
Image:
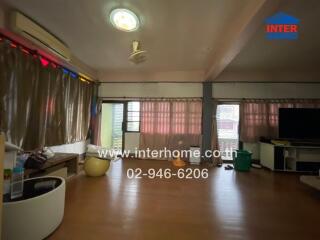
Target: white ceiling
column 179, row 35
column 284, row 55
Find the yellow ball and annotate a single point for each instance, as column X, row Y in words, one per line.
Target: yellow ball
column 95, row 167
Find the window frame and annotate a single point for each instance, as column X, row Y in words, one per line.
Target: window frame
column 126, row 109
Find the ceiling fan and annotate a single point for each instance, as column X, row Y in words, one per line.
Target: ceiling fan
column 137, row 55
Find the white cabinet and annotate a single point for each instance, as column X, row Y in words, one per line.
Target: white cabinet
column 290, row 158
column 267, row 155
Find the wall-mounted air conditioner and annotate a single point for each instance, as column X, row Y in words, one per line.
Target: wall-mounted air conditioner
column 34, row 32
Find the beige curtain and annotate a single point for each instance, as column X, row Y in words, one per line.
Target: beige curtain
column 40, row 105
column 214, row 134
column 16, row 77
column 174, row 124
column 259, row 118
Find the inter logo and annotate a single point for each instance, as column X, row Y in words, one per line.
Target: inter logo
column 282, row 26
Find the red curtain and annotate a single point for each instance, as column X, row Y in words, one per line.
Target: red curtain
column 259, row 118
column 172, row 124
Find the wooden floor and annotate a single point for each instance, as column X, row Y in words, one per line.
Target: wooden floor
column 227, row 205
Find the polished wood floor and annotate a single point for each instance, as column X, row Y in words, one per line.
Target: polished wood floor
column 228, row 205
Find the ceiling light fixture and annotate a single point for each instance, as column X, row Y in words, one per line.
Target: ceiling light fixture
column 124, row 20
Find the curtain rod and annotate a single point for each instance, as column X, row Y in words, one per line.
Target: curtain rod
column 265, row 99
column 153, row 98
column 34, row 52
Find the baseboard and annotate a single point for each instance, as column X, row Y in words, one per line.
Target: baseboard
column 255, row 161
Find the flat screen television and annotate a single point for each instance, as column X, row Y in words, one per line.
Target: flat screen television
column 299, row 123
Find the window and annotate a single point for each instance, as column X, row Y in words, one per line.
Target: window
column 171, row 117
column 155, row 117
column 162, row 115
column 179, row 112
column 133, row 117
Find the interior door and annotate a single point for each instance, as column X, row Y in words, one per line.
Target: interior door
column 228, row 129
column 112, row 132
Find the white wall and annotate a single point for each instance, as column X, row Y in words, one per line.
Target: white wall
column 154, row 76
column 269, row 76
column 132, row 141
column 266, row 90
column 219, row 90
column 254, row 148
column 157, row 90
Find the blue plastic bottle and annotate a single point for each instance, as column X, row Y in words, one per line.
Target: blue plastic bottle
column 17, row 182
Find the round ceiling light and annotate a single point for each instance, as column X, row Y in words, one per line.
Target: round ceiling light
column 124, row 19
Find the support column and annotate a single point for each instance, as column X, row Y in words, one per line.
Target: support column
column 207, row 111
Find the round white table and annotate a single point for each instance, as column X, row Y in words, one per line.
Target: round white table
column 37, row 213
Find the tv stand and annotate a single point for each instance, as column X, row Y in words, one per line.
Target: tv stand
column 290, row 158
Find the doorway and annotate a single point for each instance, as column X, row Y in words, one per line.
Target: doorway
column 228, row 128
column 112, row 125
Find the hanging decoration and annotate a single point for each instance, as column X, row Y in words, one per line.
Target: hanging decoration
column 45, row 62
